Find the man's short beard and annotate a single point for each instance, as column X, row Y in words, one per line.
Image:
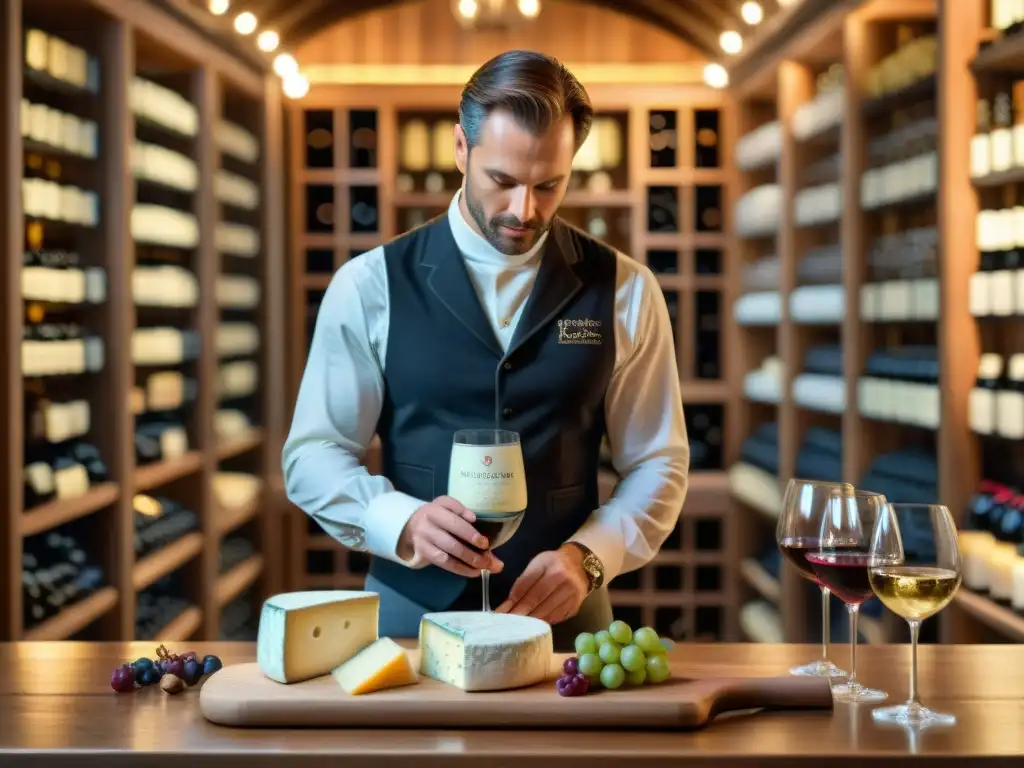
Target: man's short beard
column 490, row 227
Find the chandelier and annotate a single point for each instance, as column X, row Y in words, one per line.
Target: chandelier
column 494, row 14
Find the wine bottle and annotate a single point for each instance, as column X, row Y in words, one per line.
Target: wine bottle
column 159, row 521
column 53, row 422
column 982, row 400
column 981, row 142
column 51, row 349
column 987, row 239
column 1006, row 262
column 1010, row 400
column 1002, row 132
column 59, row 277
column 1003, row 556
column 160, row 439
column 56, row 572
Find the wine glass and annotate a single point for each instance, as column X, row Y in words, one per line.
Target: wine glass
column 486, row 475
column 842, row 563
column 797, row 533
column 915, row 580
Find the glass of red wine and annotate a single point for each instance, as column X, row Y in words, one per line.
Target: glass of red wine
column 842, row 564
column 799, row 532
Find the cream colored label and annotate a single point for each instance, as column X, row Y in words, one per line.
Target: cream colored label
column 488, row 479
column 980, row 155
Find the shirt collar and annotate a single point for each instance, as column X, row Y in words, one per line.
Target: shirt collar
column 474, row 246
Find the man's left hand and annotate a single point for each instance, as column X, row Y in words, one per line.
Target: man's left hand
column 552, row 587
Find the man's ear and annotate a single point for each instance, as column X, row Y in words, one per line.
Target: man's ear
column 461, row 150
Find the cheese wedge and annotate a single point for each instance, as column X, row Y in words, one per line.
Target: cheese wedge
column 303, row 635
column 382, row 664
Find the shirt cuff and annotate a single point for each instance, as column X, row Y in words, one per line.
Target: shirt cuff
column 605, row 543
column 386, row 517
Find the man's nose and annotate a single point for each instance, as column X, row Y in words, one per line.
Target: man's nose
column 521, row 205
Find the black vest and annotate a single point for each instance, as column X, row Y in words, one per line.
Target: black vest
column 445, row 371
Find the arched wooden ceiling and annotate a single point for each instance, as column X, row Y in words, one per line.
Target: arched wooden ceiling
column 697, row 22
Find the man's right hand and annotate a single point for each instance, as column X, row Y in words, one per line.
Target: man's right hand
column 438, row 531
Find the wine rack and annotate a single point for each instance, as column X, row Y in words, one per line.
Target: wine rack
column 650, row 181
column 131, row 452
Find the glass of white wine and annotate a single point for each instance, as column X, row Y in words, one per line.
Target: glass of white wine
column 921, row 583
column 486, row 475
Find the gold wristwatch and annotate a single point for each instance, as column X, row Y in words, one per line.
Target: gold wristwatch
column 592, row 566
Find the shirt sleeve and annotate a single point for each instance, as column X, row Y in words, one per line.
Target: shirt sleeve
column 647, row 436
column 335, row 418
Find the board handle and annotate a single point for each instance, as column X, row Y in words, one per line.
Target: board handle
column 774, row 693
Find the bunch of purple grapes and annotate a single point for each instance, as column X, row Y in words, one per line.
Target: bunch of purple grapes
column 572, row 682
column 144, row 672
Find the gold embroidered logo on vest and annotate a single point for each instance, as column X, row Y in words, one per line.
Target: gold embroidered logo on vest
column 582, row 331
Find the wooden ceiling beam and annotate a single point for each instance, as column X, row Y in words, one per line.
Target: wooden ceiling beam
column 653, row 13
column 704, row 33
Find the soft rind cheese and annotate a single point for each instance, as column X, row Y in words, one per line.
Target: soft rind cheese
column 303, row 635
column 478, row 651
column 380, row 665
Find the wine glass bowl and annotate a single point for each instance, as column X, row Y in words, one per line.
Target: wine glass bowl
column 797, row 533
column 916, row 570
column 487, row 476
column 842, row 564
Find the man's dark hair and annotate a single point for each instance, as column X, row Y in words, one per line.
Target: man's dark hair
column 536, row 89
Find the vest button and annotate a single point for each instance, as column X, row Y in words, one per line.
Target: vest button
column 506, row 411
column 507, row 366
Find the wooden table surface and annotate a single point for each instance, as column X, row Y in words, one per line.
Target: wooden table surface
column 57, row 709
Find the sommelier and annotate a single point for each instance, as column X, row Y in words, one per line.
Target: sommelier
column 496, row 314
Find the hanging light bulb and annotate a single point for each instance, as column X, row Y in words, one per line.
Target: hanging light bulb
column 731, row 41
column 285, row 64
column 268, row 40
column 529, row 8
column 219, row 7
column 296, row 85
column 467, row 8
column 716, row 76
column 752, row 12
column 245, row 23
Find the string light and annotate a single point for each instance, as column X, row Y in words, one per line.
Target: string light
column 268, row 40
column 468, row 8
column 296, row 85
column 529, row 8
column 752, row 12
column 285, row 64
column 716, row 76
column 731, row 41
column 219, row 7
column 245, row 23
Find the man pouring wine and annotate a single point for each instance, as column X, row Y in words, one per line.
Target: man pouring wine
column 498, row 317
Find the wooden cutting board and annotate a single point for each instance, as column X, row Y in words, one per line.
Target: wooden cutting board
column 242, row 696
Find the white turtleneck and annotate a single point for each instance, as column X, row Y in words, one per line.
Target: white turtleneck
column 342, row 390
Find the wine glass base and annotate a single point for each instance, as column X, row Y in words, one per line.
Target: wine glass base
column 856, row 693
column 818, row 669
column 912, row 714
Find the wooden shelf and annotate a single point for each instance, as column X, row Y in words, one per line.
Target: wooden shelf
column 181, row 627
column 1000, row 179
column 76, row 618
column 166, row 560
column 1002, row 55
column 228, row 519
column 882, row 105
column 239, row 445
column 989, row 613
column 161, row 473
column 56, row 513
column 231, row 584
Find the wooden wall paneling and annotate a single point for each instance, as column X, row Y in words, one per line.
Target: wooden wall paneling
column 796, row 86
column 11, row 232
column 206, row 95
column 276, row 339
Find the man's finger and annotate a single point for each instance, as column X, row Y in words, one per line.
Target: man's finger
column 541, row 590
column 450, row 521
column 454, row 505
column 448, row 543
column 556, row 608
column 525, row 582
column 442, row 559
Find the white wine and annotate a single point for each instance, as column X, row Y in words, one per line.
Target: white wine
column 914, row 592
column 488, row 479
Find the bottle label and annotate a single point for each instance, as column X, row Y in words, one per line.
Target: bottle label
column 1001, row 293
column 979, row 300
column 1002, row 150
column 981, row 408
column 980, row 155
column 1010, row 414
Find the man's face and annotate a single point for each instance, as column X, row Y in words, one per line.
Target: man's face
column 515, row 181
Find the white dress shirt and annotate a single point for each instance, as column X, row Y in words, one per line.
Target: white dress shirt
column 342, row 390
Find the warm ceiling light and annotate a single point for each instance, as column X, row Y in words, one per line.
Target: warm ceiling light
column 467, row 8
column 529, row 8
column 752, row 12
column 716, row 76
column 219, row 7
column 285, row 64
column 295, row 85
column 268, row 40
column 731, row 41
column 245, row 23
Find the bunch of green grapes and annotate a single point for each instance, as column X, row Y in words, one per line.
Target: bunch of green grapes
column 618, row 656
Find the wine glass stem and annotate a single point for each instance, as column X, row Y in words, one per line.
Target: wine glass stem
column 825, row 595
column 853, row 610
column 915, row 628
column 485, row 581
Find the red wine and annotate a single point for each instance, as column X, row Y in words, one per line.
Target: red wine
column 845, row 573
column 498, row 528
column 795, row 551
